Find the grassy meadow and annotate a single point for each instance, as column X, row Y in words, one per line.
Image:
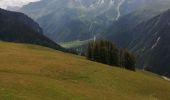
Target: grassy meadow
column 30, row 72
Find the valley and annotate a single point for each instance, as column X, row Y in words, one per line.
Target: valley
column 85, row 50
column 77, row 22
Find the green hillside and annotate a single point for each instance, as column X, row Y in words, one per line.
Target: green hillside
column 29, row 72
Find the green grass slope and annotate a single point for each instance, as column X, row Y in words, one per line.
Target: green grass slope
column 29, row 72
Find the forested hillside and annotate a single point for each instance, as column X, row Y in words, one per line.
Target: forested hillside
column 17, row 27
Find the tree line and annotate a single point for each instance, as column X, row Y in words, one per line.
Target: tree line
column 106, row 52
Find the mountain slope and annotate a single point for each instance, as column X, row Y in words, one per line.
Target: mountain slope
column 17, row 27
column 127, row 22
column 89, row 18
column 59, row 76
column 60, row 19
column 149, row 40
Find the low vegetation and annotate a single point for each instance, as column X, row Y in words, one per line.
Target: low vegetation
column 29, row 72
column 74, row 44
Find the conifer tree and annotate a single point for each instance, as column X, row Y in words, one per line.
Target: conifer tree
column 106, row 52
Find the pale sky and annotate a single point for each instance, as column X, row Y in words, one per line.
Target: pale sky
column 5, row 3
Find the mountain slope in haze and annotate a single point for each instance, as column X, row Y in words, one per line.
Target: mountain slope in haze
column 70, row 20
column 131, row 20
column 38, row 73
column 150, row 40
column 17, row 27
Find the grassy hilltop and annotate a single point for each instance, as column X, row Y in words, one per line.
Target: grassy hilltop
column 29, row 72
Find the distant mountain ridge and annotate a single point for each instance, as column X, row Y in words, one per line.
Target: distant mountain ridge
column 17, row 27
column 60, row 18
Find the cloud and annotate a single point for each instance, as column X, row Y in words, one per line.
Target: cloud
column 5, row 3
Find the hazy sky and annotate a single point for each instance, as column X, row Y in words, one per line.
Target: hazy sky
column 19, row 3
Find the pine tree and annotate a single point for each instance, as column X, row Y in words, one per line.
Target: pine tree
column 129, row 61
column 89, row 51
